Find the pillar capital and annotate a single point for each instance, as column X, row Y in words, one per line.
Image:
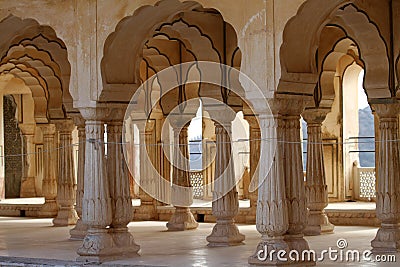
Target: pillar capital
column 387, row 110
column 116, row 114
column 78, row 120
column 180, row 120
column 95, row 114
column 289, row 106
column 27, row 128
column 221, row 114
column 315, row 115
column 65, row 125
column 47, row 129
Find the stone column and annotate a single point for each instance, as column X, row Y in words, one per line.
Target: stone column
column 255, row 141
column 225, row 205
column 316, row 188
column 80, row 229
column 28, row 183
column 49, row 186
column 66, row 179
column 181, row 194
column 272, row 205
column 121, row 202
column 98, row 244
column 147, row 209
column 388, row 180
column 291, row 159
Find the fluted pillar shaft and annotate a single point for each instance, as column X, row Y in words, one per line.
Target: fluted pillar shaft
column 316, row 188
column 255, row 142
column 272, row 205
column 388, row 179
column 181, row 193
column 80, row 229
column 291, row 158
column 225, row 205
column 121, row 202
column 96, row 204
column 289, row 127
column 147, row 209
column 66, row 179
column 49, row 185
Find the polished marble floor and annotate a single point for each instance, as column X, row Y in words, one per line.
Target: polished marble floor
column 37, row 238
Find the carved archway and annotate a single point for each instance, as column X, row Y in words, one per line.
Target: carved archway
column 299, row 67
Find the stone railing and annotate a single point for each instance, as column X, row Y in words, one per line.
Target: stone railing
column 364, row 182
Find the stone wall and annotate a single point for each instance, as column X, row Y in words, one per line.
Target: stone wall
column 12, row 146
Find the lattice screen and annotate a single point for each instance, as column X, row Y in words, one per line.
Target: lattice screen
column 367, row 184
column 196, row 180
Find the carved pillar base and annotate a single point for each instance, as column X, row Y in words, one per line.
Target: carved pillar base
column 79, row 231
column 182, row 220
column 225, row 233
column 124, row 241
column 98, row 246
column 387, row 239
column 318, row 223
column 298, row 243
column 49, row 209
column 101, row 245
column 66, row 216
column 262, row 256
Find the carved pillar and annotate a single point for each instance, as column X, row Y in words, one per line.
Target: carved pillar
column 377, row 137
column 181, row 194
column 388, row 180
column 66, row 180
column 255, row 141
column 49, row 186
column 316, row 188
column 80, row 229
column 147, row 209
column 96, row 205
column 28, row 188
column 272, row 205
column 121, row 202
column 291, row 158
column 225, row 205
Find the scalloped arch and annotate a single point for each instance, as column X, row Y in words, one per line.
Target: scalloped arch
column 28, row 33
column 35, row 84
column 297, row 52
column 47, row 69
column 122, row 48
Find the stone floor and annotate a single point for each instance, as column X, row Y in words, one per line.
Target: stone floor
column 27, row 240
